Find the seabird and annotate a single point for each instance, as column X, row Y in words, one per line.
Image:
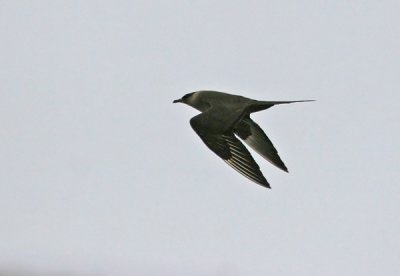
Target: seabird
column 223, row 118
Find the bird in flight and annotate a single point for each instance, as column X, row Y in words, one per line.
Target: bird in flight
column 225, row 117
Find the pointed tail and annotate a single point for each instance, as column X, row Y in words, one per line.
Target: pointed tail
column 262, row 105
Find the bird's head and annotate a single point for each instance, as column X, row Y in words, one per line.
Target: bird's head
column 187, row 99
column 198, row 100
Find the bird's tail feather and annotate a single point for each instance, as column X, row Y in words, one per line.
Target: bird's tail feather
column 262, row 105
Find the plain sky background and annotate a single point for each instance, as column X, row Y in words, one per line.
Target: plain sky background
column 102, row 175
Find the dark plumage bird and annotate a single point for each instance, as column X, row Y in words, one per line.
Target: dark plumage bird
column 223, row 117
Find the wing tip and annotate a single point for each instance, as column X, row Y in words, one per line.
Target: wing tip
column 267, row 186
column 278, row 163
column 264, row 183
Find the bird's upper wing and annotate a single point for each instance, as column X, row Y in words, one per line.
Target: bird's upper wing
column 230, row 149
column 255, row 137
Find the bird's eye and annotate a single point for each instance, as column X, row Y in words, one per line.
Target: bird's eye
column 187, row 96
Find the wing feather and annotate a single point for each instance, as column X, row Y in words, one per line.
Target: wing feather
column 231, row 150
column 255, row 137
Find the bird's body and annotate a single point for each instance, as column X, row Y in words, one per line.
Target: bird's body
column 223, row 117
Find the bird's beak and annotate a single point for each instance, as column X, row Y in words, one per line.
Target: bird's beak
column 177, row 101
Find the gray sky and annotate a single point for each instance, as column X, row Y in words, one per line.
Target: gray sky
column 103, row 175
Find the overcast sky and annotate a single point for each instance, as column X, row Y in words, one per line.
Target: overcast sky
column 102, row 175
